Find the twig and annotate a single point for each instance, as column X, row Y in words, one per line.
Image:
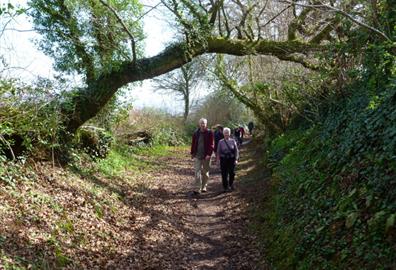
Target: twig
column 133, row 43
column 276, row 16
column 382, row 34
column 8, row 145
column 147, row 12
column 19, row 30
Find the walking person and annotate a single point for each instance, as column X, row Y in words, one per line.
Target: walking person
column 228, row 154
column 242, row 132
column 218, row 135
column 237, row 135
column 250, row 127
column 201, row 151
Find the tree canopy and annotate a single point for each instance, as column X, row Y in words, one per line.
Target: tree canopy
column 101, row 39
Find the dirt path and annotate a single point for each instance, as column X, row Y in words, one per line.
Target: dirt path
column 209, row 231
column 147, row 221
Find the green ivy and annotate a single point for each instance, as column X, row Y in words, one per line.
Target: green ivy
column 334, row 194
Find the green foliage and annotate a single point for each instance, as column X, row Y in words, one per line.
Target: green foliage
column 8, row 10
column 282, row 145
column 8, row 263
column 123, row 158
column 192, row 18
column 334, row 190
column 29, row 117
column 13, row 172
column 113, row 113
column 168, row 135
column 333, row 197
column 118, row 161
column 96, row 142
column 278, row 97
column 86, row 36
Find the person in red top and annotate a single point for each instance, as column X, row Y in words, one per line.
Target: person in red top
column 201, row 151
column 242, row 130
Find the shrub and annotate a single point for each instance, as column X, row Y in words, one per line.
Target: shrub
column 94, row 141
column 29, row 118
column 159, row 127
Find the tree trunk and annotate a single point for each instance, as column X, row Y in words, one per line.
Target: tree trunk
column 88, row 101
column 186, row 107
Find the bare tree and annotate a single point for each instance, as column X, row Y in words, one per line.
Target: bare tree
column 8, row 13
column 181, row 82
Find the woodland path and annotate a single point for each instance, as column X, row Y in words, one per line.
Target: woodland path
column 90, row 222
column 209, row 231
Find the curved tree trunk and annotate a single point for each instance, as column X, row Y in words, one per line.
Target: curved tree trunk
column 88, row 101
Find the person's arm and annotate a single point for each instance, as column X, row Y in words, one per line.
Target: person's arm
column 216, row 144
column 211, row 145
column 219, row 147
column 192, row 146
column 236, row 152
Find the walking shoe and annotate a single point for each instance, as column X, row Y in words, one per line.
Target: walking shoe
column 195, row 192
column 203, row 190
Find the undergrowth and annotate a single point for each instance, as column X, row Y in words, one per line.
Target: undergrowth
column 122, row 159
column 333, row 195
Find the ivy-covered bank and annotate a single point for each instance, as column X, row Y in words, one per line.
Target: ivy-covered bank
column 333, row 193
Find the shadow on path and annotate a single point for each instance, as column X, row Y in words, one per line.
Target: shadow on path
column 158, row 226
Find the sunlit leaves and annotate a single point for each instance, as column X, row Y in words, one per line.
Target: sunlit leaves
column 85, row 36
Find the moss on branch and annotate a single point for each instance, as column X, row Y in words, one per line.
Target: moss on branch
column 265, row 47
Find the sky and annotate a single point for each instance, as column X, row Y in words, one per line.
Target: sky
column 28, row 62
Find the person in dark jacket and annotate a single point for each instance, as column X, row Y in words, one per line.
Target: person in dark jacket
column 201, row 151
column 242, row 132
column 218, row 135
column 228, row 154
column 250, row 127
column 237, row 135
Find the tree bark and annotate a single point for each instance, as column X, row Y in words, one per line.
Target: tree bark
column 186, row 107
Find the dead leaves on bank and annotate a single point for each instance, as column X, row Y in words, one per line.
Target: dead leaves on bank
column 61, row 220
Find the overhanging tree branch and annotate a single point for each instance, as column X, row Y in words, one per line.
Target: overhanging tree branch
column 278, row 49
column 232, row 86
column 102, row 89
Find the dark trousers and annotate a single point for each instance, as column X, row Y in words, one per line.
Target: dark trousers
column 227, row 166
